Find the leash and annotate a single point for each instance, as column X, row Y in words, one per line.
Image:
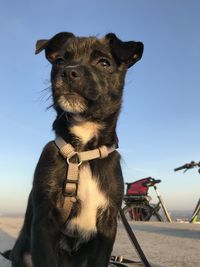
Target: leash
column 134, row 242
column 120, row 261
column 74, row 160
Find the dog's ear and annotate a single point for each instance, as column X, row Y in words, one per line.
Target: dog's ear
column 40, row 45
column 53, row 45
column 125, row 52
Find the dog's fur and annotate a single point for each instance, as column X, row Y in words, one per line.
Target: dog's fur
column 87, row 80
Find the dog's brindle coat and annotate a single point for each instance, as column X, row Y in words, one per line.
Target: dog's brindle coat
column 87, row 80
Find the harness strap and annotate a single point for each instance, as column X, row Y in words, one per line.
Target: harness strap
column 74, row 160
column 67, row 150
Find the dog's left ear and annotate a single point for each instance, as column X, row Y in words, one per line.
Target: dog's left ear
column 125, row 52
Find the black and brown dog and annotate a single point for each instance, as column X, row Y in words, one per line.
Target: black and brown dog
column 87, row 80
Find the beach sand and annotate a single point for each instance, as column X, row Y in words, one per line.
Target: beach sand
column 164, row 244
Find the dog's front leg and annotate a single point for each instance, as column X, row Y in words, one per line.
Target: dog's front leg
column 103, row 246
column 43, row 243
column 105, row 250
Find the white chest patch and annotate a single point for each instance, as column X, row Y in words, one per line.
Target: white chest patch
column 86, row 130
column 91, row 199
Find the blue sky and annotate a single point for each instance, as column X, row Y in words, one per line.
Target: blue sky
column 159, row 124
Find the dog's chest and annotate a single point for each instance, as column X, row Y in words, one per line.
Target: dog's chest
column 91, row 197
column 91, row 200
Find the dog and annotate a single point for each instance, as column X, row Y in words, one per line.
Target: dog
column 73, row 222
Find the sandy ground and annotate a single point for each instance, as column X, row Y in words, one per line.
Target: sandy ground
column 164, row 244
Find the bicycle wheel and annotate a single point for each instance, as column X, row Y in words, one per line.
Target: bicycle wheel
column 196, row 213
column 141, row 212
column 137, row 211
column 155, row 215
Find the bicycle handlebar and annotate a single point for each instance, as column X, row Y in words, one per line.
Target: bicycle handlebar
column 187, row 166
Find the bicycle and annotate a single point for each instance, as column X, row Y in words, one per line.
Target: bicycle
column 137, row 201
column 195, row 215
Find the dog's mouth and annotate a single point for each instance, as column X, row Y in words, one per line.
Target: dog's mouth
column 72, row 102
column 72, row 98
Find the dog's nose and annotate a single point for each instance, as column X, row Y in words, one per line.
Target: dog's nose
column 74, row 73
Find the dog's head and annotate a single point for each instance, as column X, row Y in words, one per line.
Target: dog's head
column 88, row 73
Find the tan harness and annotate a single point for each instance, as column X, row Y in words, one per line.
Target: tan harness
column 74, row 160
column 71, row 189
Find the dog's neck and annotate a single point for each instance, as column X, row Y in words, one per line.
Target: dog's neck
column 85, row 133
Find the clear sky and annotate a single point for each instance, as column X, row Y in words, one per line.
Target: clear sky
column 159, row 125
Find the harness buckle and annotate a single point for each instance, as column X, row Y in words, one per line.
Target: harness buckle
column 71, row 193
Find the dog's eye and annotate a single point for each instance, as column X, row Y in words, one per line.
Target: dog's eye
column 59, row 61
column 104, row 62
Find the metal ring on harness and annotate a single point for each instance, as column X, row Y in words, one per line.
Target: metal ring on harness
column 74, row 154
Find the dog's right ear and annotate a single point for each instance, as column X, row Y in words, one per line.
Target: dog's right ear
column 40, row 45
column 53, row 45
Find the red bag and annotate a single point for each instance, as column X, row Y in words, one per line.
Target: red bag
column 138, row 187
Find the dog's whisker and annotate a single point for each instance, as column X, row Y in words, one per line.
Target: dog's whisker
column 47, row 99
column 46, row 88
column 50, row 106
column 44, row 94
column 61, row 115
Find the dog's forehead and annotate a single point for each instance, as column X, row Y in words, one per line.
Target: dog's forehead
column 85, row 45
